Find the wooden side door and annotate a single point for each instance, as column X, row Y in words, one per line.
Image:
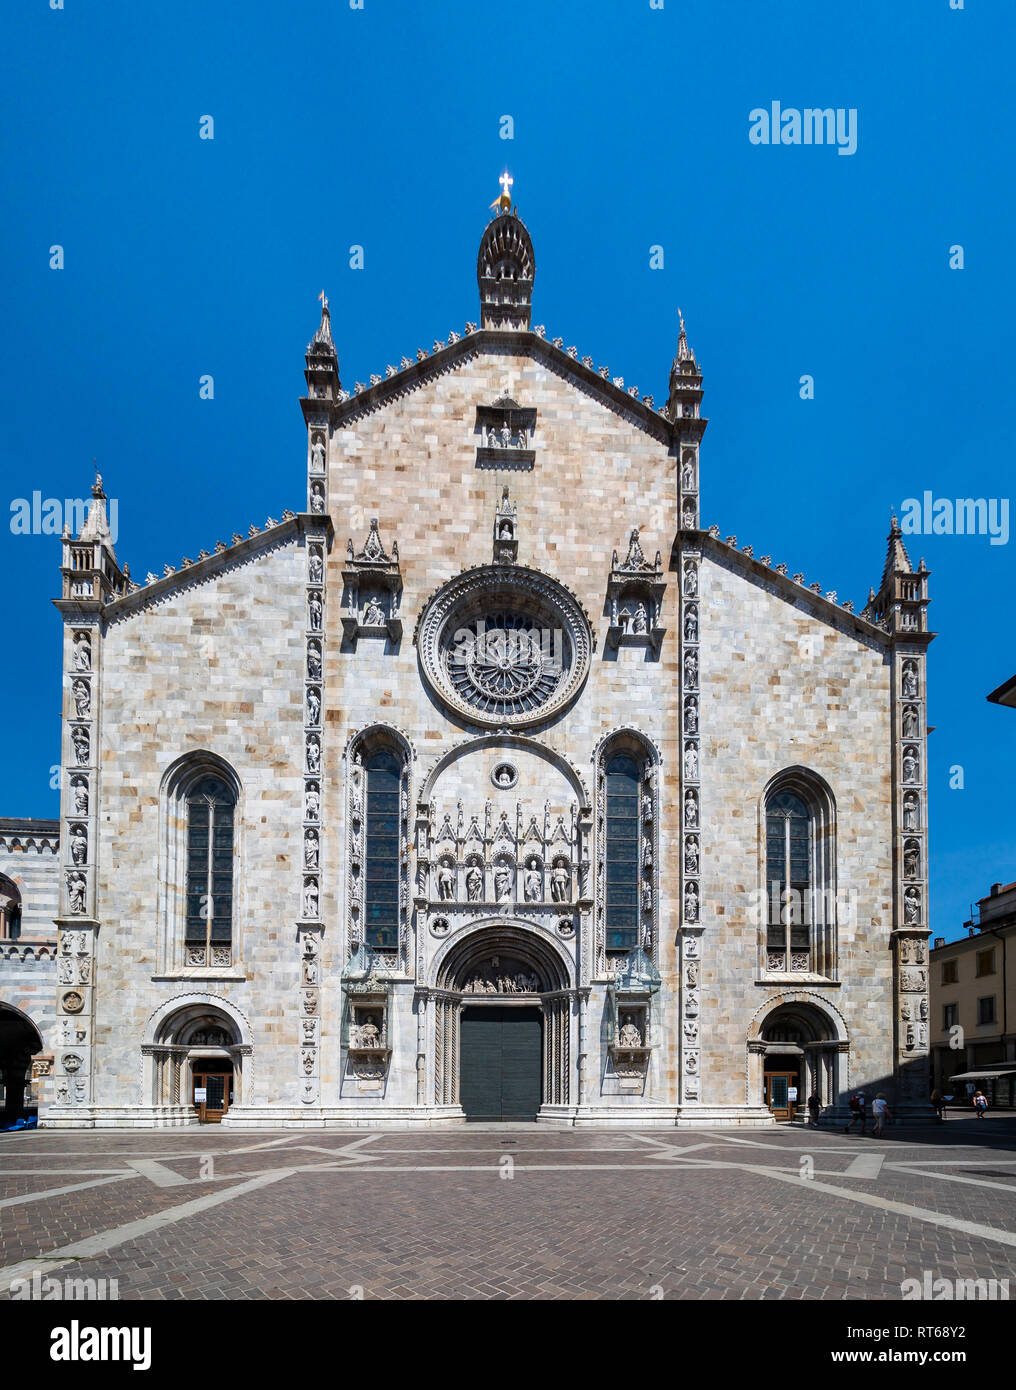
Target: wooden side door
column 212, row 1095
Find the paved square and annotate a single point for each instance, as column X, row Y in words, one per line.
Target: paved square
column 510, row 1212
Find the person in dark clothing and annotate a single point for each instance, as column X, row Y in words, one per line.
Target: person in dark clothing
column 814, row 1107
column 938, row 1101
column 858, row 1111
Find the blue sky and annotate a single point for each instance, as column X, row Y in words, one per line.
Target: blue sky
column 380, row 127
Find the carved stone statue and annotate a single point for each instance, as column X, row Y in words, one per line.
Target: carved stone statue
column 560, row 884
column 368, row 1034
column 639, row 625
column 691, row 762
column 533, row 882
column 909, row 679
column 474, row 883
column 910, row 764
column 313, row 705
column 82, row 652
column 691, row 714
column 445, row 881
column 79, row 845
column 317, row 498
column 311, row 850
column 691, row 668
column 76, row 893
column 911, row 861
column 503, row 884
column 690, row 579
column 691, row 625
column 687, row 475
column 315, row 567
column 313, row 753
column 910, row 721
column 373, row 613
column 690, row 808
column 317, row 456
column 691, row 855
column 910, row 811
column 310, row 900
column 82, row 698
column 912, row 905
column 80, row 740
column 313, row 803
column 80, row 787
column 629, row 1034
column 691, row 903
column 314, row 661
column 314, row 610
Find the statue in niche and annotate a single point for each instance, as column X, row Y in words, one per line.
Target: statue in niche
column 691, row 714
column 691, row 903
column 317, row 498
column 906, row 1011
column 691, row 856
column 691, row 974
column 314, row 661
column 533, row 882
column 314, row 610
column 691, row 668
column 647, row 854
column 912, row 861
column 315, row 566
column 912, row 905
column 647, row 897
column 629, row 1034
column 910, row 721
column 504, row 777
column 910, row 679
column 313, row 705
column 368, row 1034
column 690, row 808
column 76, row 893
column 317, row 455
column 373, row 613
column 82, row 652
column 687, row 475
column 690, row 579
column 310, row 899
column 506, row 435
column 910, row 764
column 79, row 845
column 474, row 883
column 688, row 513
column 691, row 625
column 311, row 850
column 82, row 698
column 445, row 880
column 639, row 623
column 80, row 787
column 922, row 1009
column 313, row 753
column 80, row 740
column 310, row 972
column 313, row 802
column 560, row 883
column 910, row 811
column 691, row 762
column 66, row 971
column 503, row 884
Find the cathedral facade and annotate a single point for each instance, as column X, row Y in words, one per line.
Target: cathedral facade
column 492, row 785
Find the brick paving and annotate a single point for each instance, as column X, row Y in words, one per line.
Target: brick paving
column 510, row 1212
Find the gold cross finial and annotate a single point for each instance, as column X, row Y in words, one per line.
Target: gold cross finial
column 504, row 199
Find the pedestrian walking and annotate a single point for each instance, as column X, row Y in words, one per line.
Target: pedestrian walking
column 980, row 1104
column 858, row 1111
column 880, row 1114
column 938, row 1101
column 814, row 1107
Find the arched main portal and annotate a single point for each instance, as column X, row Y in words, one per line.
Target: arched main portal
column 501, row 1041
column 197, row 1060
column 798, row 1044
column 19, row 1040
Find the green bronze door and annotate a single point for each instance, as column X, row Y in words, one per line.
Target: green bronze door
column 501, row 1050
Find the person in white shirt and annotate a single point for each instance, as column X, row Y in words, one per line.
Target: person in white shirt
column 880, row 1112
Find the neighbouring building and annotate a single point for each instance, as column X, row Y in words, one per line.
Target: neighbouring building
column 973, row 1003
column 492, row 783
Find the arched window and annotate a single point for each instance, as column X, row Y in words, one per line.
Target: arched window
column 200, row 850
column 381, row 854
column 800, row 891
column 210, row 807
column 10, row 909
column 623, row 779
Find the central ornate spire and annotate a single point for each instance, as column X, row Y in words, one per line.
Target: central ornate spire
column 505, row 266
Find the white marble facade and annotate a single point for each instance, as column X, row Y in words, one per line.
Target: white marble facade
column 495, row 475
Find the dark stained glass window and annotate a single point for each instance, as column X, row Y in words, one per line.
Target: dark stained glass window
column 622, row 853
column 788, row 872
column 210, row 812
column 381, row 890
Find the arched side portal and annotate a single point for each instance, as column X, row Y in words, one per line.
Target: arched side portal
column 502, row 1036
column 797, row 1035
column 20, row 1039
column 192, row 1038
